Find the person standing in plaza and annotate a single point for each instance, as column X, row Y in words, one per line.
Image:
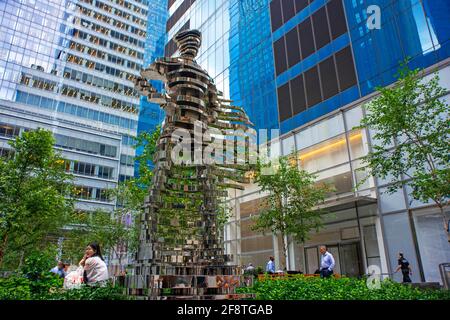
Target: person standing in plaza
column 326, row 263
column 403, row 265
column 270, row 267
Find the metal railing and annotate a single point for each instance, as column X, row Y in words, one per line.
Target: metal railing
column 444, row 268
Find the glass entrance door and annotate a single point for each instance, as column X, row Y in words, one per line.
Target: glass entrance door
column 350, row 259
column 346, row 255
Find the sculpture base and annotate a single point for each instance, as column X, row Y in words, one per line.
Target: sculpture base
column 185, row 287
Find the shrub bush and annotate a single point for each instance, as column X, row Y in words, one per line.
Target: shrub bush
column 34, row 281
column 314, row 288
column 15, row 288
column 109, row 292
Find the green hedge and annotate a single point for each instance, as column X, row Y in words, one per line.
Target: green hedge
column 314, row 288
column 34, row 281
column 48, row 287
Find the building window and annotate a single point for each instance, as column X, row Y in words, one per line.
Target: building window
column 306, row 38
column 336, row 17
column 275, row 14
column 298, row 94
column 320, row 23
column 328, row 78
column 320, row 82
column 324, row 155
column 127, row 160
column 345, row 68
column 82, row 168
column 102, row 195
column 300, row 5
column 293, row 47
column 313, row 94
column 279, row 49
column 105, row 172
column 284, row 102
column 288, row 9
column 9, row 131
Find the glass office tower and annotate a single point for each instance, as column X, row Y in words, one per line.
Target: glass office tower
column 151, row 115
column 307, row 67
column 68, row 66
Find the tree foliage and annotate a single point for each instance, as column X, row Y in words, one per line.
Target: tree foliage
column 35, row 195
column 290, row 207
column 117, row 232
column 414, row 115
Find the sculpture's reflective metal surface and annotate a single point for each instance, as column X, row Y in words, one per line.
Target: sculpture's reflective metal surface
column 180, row 244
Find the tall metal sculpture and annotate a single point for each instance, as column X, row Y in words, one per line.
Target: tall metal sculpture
column 181, row 253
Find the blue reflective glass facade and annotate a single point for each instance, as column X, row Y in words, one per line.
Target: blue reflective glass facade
column 243, row 53
column 409, row 28
column 68, row 66
column 150, row 114
column 414, row 29
column 252, row 80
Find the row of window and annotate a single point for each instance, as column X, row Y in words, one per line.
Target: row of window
column 128, row 140
column 71, row 143
column 102, row 42
column 281, row 11
column 170, row 3
column 103, row 100
column 181, row 10
column 91, row 147
column 84, row 95
column 99, row 82
column 100, row 67
column 127, row 160
column 6, row 153
column 39, row 83
column 9, row 131
column 112, row 45
column 72, row 109
column 105, row 56
column 89, row 169
column 116, row 23
column 129, row 5
column 107, row 32
column 66, row 142
column 171, row 46
column 120, row 13
column 90, row 193
column 123, row 178
column 325, row 25
column 331, row 76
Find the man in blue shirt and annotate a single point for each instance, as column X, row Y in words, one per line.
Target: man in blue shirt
column 326, row 263
column 59, row 270
column 270, row 267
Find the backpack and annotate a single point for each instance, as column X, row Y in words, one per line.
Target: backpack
column 404, row 263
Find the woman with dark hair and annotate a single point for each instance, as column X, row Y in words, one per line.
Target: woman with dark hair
column 95, row 270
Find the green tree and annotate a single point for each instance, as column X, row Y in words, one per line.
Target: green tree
column 109, row 229
column 290, row 208
column 119, row 229
column 414, row 115
column 34, row 193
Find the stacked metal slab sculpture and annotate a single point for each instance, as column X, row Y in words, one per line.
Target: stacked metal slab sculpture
column 181, row 253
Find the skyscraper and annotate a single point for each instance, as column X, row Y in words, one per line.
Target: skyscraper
column 307, row 67
column 68, row 66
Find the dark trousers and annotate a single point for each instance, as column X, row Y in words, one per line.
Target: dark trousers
column 406, row 277
column 325, row 273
